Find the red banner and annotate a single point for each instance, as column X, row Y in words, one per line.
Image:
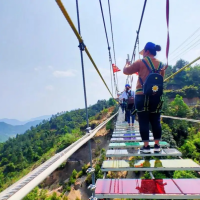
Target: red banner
column 115, row 68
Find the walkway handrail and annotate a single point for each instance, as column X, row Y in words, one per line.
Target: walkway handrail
column 65, row 13
column 22, row 187
column 179, row 118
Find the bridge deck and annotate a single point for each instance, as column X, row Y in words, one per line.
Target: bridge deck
column 129, row 139
column 134, row 145
column 133, row 152
column 167, row 165
column 148, row 189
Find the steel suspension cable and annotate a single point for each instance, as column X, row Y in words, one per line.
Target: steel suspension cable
column 110, row 57
column 112, row 39
column 168, row 41
column 112, row 31
column 138, row 32
column 81, row 46
column 67, row 17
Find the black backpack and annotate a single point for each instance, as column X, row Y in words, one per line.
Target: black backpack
column 130, row 98
column 130, row 101
column 153, row 85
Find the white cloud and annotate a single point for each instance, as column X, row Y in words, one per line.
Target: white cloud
column 49, row 87
column 67, row 73
column 50, row 67
column 36, row 69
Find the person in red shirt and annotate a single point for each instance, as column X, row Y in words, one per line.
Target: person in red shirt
column 148, row 107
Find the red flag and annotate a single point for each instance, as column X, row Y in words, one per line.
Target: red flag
column 115, row 68
column 136, row 73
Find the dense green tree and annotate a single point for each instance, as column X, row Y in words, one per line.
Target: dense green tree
column 16, row 154
column 178, row 108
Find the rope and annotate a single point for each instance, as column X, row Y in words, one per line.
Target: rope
column 112, row 31
column 110, row 57
column 138, row 30
column 66, row 15
column 113, row 42
column 185, row 119
column 84, row 88
column 171, row 76
column 167, row 17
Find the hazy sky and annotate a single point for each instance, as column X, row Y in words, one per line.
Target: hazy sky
column 40, row 71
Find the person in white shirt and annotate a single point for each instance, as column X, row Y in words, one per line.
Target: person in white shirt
column 129, row 108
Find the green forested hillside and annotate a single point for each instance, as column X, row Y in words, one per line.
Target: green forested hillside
column 185, row 83
column 7, row 130
column 17, row 155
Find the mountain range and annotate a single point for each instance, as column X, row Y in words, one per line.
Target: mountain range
column 15, row 122
column 12, row 127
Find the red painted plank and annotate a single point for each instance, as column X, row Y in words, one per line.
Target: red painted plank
column 103, row 186
column 113, row 186
column 129, row 186
column 188, row 186
column 138, row 186
column 120, row 186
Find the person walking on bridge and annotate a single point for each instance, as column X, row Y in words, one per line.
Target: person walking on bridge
column 149, row 90
column 128, row 102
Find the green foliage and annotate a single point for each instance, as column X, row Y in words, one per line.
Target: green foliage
column 185, row 83
column 111, row 102
column 186, row 92
column 33, row 195
column 84, row 169
column 167, row 135
column 17, row 155
column 110, row 125
column 146, row 176
column 74, row 173
column 79, row 174
column 88, row 179
column 184, row 174
column 178, row 108
column 68, row 188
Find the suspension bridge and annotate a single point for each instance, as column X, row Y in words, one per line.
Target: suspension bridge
column 125, row 143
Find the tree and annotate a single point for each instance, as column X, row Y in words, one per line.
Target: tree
column 178, row 108
column 111, row 102
column 10, row 168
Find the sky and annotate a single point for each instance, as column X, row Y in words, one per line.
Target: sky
column 40, row 68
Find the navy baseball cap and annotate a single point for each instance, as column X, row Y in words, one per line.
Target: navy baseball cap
column 148, row 46
column 127, row 85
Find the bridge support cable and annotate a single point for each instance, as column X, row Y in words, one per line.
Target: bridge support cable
column 183, row 68
column 81, row 46
column 109, row 53
column 22, row 187
column 113, row 43
column 138, row 31
column 167, row 18
column 67, row 17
